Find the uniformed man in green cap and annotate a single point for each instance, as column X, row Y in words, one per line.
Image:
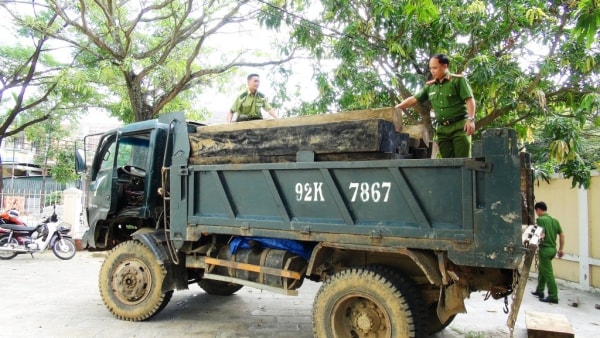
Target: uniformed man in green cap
column 454, row 106
column 546, row 252
column 249, row 104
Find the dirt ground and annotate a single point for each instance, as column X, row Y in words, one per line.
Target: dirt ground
column 47, row 297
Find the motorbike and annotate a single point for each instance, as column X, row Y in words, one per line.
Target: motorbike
column 9, row 217
column 18, row 238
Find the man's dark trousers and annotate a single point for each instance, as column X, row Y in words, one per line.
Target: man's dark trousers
column 546, row 273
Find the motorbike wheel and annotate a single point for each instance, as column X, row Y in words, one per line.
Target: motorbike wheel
column 64, row 249
column 5, row 243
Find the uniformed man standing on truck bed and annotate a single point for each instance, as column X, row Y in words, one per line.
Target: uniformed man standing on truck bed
column 250, row 103
column 454, row 106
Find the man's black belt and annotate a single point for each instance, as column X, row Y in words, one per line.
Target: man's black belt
column 452, row 120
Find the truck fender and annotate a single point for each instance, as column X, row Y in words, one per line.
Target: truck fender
column 425, row 260
column 428, row 265
column 176, row 277
column 152, row 239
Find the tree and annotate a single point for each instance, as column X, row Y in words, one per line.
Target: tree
column 56, row 157
column 148, row 55
column 34, row 86
column 529, row 62
column 564, row 146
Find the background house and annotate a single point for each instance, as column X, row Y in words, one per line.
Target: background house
column 26, row 187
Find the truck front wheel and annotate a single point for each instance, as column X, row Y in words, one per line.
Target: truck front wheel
column 130, row 282
column 363, row 302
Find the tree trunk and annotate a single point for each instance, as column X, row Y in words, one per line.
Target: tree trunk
column 142, row 111
column 1, row 172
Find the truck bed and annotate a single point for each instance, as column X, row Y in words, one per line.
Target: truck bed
column 464, row 206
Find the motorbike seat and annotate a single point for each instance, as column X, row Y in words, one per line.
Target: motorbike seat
column 17, row 227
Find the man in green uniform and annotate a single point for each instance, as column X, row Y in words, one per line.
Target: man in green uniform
column 546, row 252
column 248, row 104
column 454, row 106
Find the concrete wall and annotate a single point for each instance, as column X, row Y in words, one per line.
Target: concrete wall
column 578, row 211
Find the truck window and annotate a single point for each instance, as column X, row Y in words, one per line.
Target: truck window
column 133, row 151
column 105, row 159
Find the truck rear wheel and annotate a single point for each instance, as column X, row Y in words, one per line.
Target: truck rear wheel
column 219, row 288
column 130, row 282
column 364, row 302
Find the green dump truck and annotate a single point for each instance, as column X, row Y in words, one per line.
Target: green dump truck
column 398, row 242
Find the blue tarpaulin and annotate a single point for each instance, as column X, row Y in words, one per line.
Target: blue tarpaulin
column 273, row 243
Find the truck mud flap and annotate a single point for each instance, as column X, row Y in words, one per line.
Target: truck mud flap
column 452, row 301
column 522, row 282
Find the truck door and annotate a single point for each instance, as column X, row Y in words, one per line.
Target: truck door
column 101, row 184
column 117, row 179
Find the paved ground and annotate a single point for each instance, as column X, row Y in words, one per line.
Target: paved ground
column 47, row 297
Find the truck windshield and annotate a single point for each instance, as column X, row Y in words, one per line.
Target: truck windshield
column 133, row 151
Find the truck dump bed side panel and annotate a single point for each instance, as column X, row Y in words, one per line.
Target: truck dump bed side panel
column 392, row 198
column 469, row 208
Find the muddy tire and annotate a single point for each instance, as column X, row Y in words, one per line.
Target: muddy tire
column 433, row 322
column 411, row 293
column 130, row 282
column 219, row 288
column 5, row 243
column 365, row 302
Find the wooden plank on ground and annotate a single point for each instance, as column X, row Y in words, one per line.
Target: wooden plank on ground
column 547, row 325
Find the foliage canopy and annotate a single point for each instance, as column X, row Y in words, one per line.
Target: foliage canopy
column 148, row 55
column 533, row 65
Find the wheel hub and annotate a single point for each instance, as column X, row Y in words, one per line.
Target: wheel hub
column 63, row 247
column 131, row 282
column 365, row 319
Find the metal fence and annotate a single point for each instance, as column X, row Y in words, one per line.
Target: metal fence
column 27, row 197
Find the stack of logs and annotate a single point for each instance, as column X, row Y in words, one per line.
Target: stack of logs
column 350, row 136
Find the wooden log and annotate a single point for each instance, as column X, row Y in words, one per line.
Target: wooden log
column 386, row 114
column 356, row 135
column 334, row 137
column 290, row 158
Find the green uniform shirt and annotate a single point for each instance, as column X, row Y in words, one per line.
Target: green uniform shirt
column 551, row 230
column 447, row 97
column 250, row 104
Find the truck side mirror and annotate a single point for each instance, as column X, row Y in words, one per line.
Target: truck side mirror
column 79, row 161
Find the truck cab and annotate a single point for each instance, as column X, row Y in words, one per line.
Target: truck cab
column 123, row 182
